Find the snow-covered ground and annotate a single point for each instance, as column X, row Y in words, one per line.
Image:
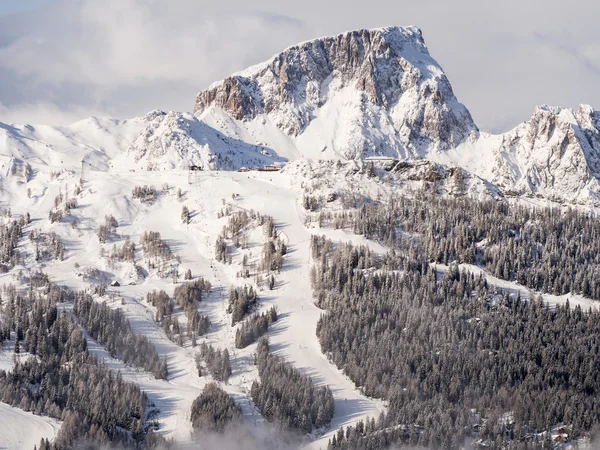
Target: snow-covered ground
column 20, row 429
column 205, row 194
column 109, row 179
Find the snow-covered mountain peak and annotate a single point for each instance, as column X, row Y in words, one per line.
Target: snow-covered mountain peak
column 173, row 140
column 555, row 154
column 360, row 93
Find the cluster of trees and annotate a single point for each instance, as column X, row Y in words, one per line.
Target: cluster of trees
column 69, row 203
column 272, row 255
column 105, row 230
column 173, row 329
column 545, row 249
column 55, row 216
column 162, row 302
column 222, row 252
column 213, row 410
column 123, row 253
column 235, row 230
column 237, row 222
column 186, row 296
column 217, row 362
column 47, row 245
column 155, row 249
column 439, row 349
column 254, row 327
column 241, row 302
column 111, row 328
column 145, row 193
column 286, row 396
column 63, row 380
column 311, row 202
column 10, row 233
column 191, row 293
column 274, row 249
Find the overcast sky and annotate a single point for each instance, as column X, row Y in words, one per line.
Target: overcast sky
column 63, row 60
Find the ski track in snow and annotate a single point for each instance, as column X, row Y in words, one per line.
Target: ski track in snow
column 293, row 336
column 24, row 430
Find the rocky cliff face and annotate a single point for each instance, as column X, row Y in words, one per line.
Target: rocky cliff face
column 555, row 154
column 373, row 93
column 398, row 99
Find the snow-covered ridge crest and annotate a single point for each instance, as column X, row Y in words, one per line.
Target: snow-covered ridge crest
column 555, row 154
column 396, row 97
column 172, row 140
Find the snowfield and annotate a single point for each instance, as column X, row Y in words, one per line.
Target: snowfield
column 20, row 429
column 205, row 194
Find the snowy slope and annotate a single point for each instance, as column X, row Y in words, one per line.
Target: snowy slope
column 177, row 141
column 338, row 99
column 20, row 429
column 95, row 139
column 277, row 194
column 206, row 194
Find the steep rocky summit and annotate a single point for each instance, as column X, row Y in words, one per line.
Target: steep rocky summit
column 361, row 93
column 555, row 154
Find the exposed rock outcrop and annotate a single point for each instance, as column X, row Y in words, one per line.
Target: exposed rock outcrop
column 399, row 100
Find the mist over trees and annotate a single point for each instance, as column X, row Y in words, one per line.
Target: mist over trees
column 213, row 410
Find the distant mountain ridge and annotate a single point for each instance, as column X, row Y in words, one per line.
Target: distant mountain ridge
column 356, row 95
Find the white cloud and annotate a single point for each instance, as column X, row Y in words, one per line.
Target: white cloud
column 45, row 113
column 125, row 57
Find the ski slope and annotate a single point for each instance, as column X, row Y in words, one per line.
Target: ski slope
column 109, row 179
column 20, row 429
column 205, row 194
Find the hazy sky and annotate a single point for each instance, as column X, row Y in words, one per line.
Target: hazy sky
column 69, row 59
column 11, row 6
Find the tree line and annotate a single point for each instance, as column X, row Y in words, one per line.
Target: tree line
column 254, row 327
column 546, row 249
column 451, row 354
column 64, row 380
column 111, row 328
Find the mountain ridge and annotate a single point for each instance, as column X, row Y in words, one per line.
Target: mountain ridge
column 385, row 78
column 355, row 95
